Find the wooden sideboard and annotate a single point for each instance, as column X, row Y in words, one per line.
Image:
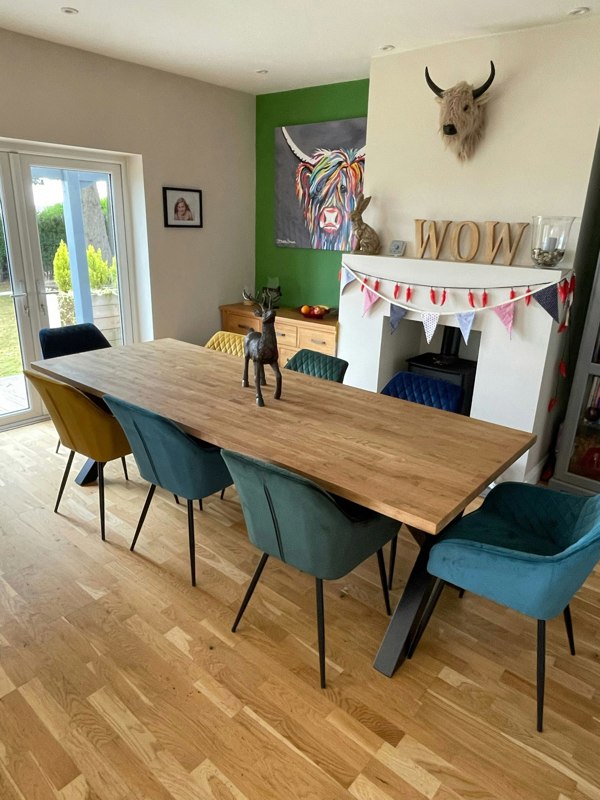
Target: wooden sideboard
column 293, row 330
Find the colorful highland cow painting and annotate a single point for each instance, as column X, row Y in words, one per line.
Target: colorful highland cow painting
column 319, row 175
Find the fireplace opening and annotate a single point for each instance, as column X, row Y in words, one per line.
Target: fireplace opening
column 447, row 365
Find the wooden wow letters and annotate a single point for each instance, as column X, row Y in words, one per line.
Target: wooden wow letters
column 465, row 239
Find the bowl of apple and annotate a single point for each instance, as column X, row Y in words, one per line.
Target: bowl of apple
column 314, row 312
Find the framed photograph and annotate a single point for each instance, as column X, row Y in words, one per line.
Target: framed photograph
column 182, row 207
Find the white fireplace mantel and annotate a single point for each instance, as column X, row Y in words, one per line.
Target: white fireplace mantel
column 516, row 376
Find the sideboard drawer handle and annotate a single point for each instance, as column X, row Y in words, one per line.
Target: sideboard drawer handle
column 244, row 327
column 318, row 341
column 281, row 335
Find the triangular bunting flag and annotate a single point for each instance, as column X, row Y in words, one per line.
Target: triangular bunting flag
column 397, row 313
column 548, row 299
column 506, row 314
column 430, row 322
column 465, row 323
column 370, row 298
column 346, row 277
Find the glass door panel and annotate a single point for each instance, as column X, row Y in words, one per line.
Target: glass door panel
column 77, row 245
column 13, row 387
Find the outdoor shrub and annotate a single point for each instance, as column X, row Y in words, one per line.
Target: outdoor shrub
column 102, row 276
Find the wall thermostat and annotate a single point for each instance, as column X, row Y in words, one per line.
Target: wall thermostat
column 397, row 247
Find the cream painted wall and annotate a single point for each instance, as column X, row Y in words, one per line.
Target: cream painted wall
column 188, row 133
column 542, row 122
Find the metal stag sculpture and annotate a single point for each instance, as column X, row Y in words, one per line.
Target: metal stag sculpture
column 327, row 183
column 462, row 114
column 262, row 347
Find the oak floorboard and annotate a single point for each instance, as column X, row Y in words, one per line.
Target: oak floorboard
column 120, row 681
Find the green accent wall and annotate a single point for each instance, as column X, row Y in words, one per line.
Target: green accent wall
column 305, row 276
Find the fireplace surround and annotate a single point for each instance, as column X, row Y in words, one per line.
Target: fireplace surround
column 516, row 375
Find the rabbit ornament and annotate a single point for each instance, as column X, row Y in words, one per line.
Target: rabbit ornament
column 367, row 241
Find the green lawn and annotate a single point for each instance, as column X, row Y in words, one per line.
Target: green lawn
column 10, row 354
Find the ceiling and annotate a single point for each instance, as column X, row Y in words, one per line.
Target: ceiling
column 301, row 43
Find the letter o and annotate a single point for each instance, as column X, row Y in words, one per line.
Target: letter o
column 455, row 241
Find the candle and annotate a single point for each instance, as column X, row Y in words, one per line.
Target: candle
column 549, row 243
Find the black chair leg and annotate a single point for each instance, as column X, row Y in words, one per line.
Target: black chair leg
column 101, row 497
column 569, row 627
column 176, row 499
column 200, row 503
column 393, row 548
column 384, row 583
column 426, row 616
column 124, row 468
column 541, row 671
column 57, row 446
column 250, row 590
column 190, row 510
column 149, row 497
column 222, row 493
column 63, row 483
column 321, row 629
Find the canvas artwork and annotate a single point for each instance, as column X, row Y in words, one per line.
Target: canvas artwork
column 318, row 176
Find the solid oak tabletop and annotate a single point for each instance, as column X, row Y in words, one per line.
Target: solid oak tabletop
column 419, row 465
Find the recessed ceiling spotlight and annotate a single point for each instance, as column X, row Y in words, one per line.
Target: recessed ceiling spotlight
column 262, row 71
column 580, row 11
column 387, row 47
column 69, row 10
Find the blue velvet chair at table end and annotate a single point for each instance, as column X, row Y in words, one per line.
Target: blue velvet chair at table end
column 527, row 548
column 426, row 391
column 168, row 457
column 293, row 519
column 319, row 365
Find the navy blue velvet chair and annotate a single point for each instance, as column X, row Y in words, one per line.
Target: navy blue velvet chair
column 319, row 365
column 527, row 548
column 427, row 391
column 293, row 519
column 168, row 457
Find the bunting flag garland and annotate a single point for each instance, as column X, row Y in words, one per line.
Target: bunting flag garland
column 506, row 314
column 369, row 300
column 430, row 322
column 548, row 299
column 465, row 323
column 397, row 313
column 345, row 278
column 547, row 295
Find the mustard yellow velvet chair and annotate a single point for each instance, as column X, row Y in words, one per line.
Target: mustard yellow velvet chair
column 83, row 427
column 226, row 342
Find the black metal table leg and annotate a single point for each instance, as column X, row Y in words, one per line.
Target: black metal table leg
column 407, row 614
column 88, row 473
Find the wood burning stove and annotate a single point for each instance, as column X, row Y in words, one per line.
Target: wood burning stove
column 448, row 366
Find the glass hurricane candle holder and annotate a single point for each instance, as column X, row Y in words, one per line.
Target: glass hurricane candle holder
column 549, row 237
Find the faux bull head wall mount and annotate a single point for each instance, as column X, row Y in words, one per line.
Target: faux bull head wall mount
column 462, row 114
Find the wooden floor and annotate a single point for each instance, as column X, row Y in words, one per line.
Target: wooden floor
column 118, row 680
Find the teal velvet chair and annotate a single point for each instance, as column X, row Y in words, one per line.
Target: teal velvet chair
column 168, row 457
column 293, row 519
column 319, row 365
column 527, row 548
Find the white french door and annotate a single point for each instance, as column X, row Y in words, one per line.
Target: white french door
column 63, row 260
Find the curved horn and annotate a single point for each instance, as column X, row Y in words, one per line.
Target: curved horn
column 434, row 87
column 485, row 86
column 296, row 150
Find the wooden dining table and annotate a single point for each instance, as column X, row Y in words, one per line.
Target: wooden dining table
column 419, row 465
